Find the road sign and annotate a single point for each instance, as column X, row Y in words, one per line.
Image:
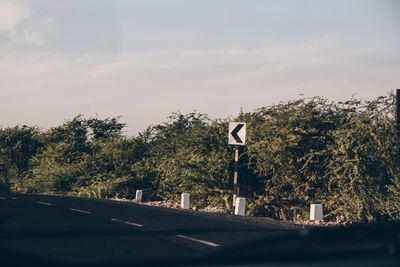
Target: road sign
column 237, row 133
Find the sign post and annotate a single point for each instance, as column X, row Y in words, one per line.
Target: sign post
column 235, row 176
column 397, row 115
column 236, row 137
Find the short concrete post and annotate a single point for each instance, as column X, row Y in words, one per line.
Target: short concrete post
column 139, row 194
column 240, row 206
column 316, row 213
column 185, row 200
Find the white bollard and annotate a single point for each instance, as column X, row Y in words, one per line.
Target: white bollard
column 139, row 194
column 316, row 212
column 240, row 206
column 185, row 200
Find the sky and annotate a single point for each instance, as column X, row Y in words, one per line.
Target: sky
column 145, row 59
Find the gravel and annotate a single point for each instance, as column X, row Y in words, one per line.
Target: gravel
column 340, row 220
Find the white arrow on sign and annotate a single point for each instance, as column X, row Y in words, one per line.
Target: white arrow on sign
column 237, row 133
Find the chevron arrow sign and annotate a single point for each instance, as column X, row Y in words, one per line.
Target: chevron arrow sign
column 237, row 133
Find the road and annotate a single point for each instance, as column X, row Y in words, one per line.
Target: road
column 53, row 229
column 64, row 231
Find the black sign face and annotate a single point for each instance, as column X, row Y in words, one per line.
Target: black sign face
column 237, row 133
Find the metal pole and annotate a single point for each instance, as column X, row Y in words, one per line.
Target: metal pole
column 397, row 118
column 235, row 176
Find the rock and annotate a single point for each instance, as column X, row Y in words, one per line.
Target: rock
column 318, row 222
column 214, row 209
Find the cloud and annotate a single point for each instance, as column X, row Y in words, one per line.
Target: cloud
column 315, row 65
column 17, row 24
column 299, row 65
column 146, row 87
column 11, row 15
column 34, row 32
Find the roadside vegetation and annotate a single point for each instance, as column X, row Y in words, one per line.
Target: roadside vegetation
column 344, row 155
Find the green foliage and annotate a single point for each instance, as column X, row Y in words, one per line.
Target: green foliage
column 105, row 128
column 364, row 162
column 189, row 154
column 288, row 149
column 343, row 155
column 17, row 146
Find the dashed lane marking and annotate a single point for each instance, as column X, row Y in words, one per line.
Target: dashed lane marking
column 44, row 203
column 14, row 198
column 126, row 222
column 209, row 243
column 81, row 211
column 2, row 198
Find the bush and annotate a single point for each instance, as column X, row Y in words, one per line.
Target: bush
column 342, row 155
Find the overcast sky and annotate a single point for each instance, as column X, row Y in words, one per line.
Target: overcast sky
column 146, row 59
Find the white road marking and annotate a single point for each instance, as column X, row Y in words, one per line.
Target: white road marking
column 2, row 198
column 209, row 243
column 44, row 203
column 81, row 211
column 14, row 198
column 126, row 222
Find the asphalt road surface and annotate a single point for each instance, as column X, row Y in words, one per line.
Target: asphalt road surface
column 55, row 230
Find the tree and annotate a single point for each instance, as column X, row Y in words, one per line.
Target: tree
column 109, row 127
column 17, row 145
